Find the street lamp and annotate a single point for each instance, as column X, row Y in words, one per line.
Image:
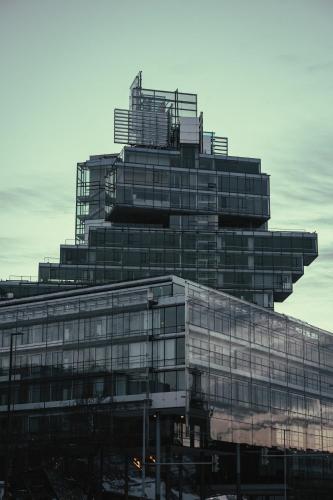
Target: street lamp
column 9, row 407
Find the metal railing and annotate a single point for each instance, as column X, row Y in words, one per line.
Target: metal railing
column 220, row 145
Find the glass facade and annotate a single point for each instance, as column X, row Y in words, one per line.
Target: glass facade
column 179, row 186
column 218, row 370
column 72, row 350
column 265, row 377
column 174, row 201
column 257, row 266
column 164, row 215
column 153, row 340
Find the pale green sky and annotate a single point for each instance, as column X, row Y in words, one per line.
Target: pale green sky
column 263, row 70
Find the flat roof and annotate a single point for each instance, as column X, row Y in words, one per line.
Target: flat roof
column 147, row 281
column 86, row 290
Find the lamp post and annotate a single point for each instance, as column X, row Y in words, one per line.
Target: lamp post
column 9, row 408
column 158, row 457
column 284, row 466
column 151, row 301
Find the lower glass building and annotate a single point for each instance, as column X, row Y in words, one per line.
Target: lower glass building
column 165, row 388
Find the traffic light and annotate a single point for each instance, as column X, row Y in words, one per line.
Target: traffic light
column 215, row 463
column 264, row 459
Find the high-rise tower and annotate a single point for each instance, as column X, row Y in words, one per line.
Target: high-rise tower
column 90, row 377
column 174, row 201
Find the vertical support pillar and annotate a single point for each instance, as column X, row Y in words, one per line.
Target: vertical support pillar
column 285, row 468
column 285, row 474
column 126, row 477
column 238, row 472
column 144, row 451
column 202, row 477
column 191, row 430
column 168, row 458
column 90, row 494
column 9, row 430
column 158, row 457
column 181, row 479
column 101, row 468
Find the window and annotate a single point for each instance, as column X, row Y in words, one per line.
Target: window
column 295, row 375
column 67, row 360
column 260, row 365
column 170, row 381
column 168, row 320
column 137, row 356
column 180, row 346
column 53, row 332
column 180, row 380
column 98, row 389
column 242, row 360
column 36, row 334
column 260, row 395
column 70, row 331
column 240, row 391
column 297, row 403
column 223, row 389
column 311, row 352
column 311, row 380
column 278, row 370
column 241, row 330
column 279, row 399
column 278, row 342
column 295, row 346
column 35, row 393
column 121, row 385
column 170, row 352
column 120, row 356
column 173, row 380
column 36, row 363
column 180, row 318
column 98, row 326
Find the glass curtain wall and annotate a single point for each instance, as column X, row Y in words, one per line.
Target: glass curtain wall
column 264, row 378
column 90, row 350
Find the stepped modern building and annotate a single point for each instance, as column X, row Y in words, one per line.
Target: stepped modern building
column 149, row 361
column 174, row 201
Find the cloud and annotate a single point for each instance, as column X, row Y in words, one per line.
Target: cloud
column 302, row 184
column 321, row 67
column 324, row 220
column 326, row 256
column 7, row 243
column 291, row 59
column 298, row 62
column 39, row 199
column 12, row 248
